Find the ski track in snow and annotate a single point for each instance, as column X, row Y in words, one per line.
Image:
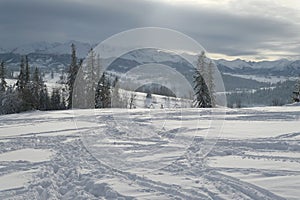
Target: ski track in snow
column 74, row 172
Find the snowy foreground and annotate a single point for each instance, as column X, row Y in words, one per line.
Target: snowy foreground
column 151, row 154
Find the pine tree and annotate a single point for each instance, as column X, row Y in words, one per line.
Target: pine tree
column 21, row 78
column 3, row 83
column 90, row 79
column 296, row 93
column 22, row 87
column 103, row 94
column 63, row 103
column 201, row 64
column 37, row 84
column 72, row 73
column 27, row 92
column 210, row 83
column 202, row 95
column 27, row 70
column 55, row 100
column 44, row 100
column 10, row 101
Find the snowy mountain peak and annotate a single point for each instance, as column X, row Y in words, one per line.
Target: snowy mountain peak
column 234, row 64
column 241, row 64
column 152, row 56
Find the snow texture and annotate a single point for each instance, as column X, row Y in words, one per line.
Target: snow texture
column 45, row 155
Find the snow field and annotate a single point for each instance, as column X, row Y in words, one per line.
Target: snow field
column 55, row 155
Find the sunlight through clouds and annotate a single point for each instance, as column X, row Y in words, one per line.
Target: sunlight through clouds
column 229, row 28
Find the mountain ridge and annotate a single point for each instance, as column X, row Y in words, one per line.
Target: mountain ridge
column 43, row 47
column 49, row 55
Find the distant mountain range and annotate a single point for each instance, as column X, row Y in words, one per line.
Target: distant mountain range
column 50, row 48
column 281, row 67
column 57, row 55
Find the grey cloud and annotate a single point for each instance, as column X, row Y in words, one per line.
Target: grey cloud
column 218, row 30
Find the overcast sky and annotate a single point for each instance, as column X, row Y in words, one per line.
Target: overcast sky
column 252, row 30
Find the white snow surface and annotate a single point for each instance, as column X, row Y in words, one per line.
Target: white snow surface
column 78, row 154
column 30, row 155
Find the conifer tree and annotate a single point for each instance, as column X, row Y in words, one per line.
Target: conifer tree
column 210, row 83
column 27, row 70
column 36, row 88
column 10, row 102
column 72, row 72
column 21, row 78
column 44, row 99
column 3, row 83
column 90, row 72
column 55, row 100
column 296, row 92
column 202, row 95
column 103, row 94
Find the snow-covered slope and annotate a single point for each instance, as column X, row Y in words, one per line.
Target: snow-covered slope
column 256, row 157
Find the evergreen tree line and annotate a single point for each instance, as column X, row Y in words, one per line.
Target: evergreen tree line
column 106, row 90
column 28, row 93
column 31, row 93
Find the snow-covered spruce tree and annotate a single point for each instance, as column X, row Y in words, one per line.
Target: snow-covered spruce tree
column 210, row 83
column 56, row 100
column 3, row 83
column 202, row 94
column 29, row 100
column 10, row 102
column 72, row 72
column 37, row 86
column 90, row 76
column 103, row 93
column 27, row 70
column 296, row 92
column 21, row 78
column 22, row 86
column 44, row 99
column 3, row 86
